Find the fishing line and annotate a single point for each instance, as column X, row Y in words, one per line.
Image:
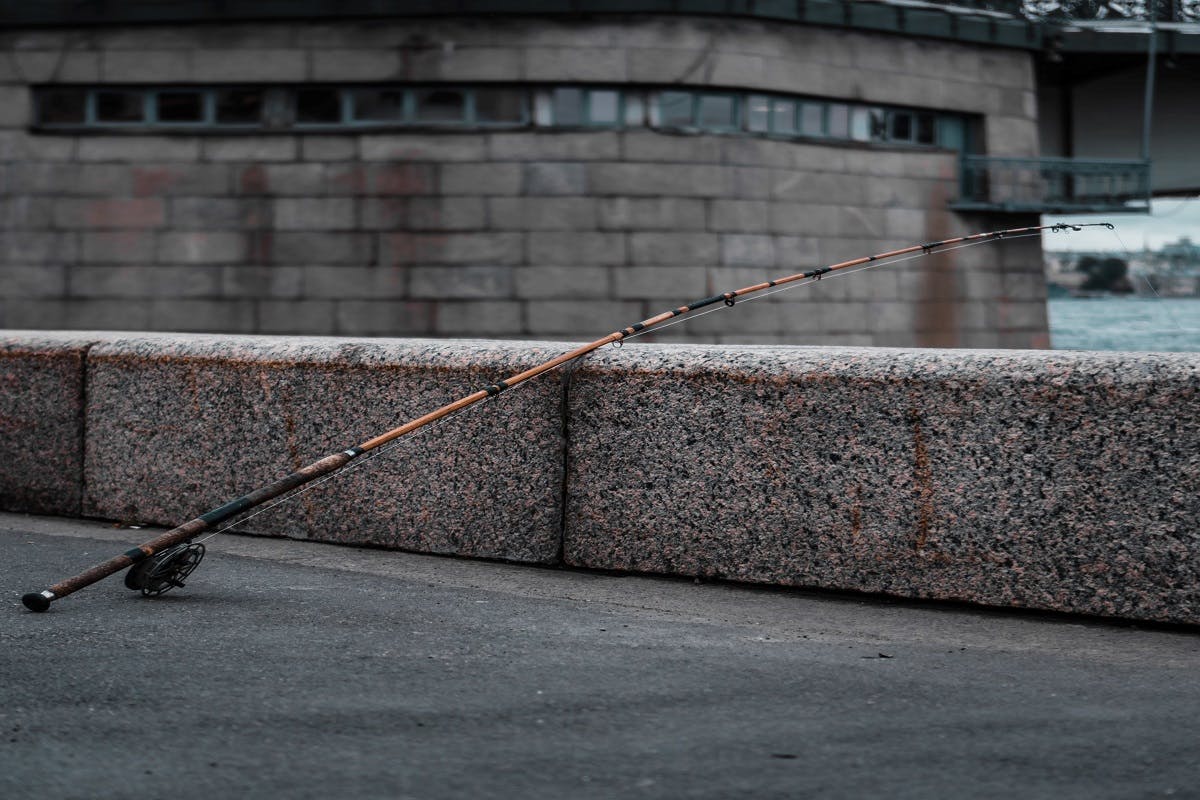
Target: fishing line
column 391, row 446
column 368, row 458
column 164, row 562
column 843, row 274
column 1165, row 308
column 358, row 462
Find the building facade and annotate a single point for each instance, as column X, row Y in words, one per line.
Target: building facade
column 511, row 176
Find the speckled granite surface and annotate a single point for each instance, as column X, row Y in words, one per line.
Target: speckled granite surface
column 41, row 420
column 178, row 425
column 1061, row 481
column 1064, row 481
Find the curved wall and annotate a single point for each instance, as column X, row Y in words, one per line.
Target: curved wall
column 509, row 234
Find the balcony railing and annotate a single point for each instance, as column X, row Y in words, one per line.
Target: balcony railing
column 1053, row 185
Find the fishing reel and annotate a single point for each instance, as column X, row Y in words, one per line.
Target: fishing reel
column 162, row 572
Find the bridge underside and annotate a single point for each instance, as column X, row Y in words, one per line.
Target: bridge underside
column 1091, row 108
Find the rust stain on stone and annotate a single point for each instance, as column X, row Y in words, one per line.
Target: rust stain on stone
column 261, row 247
column 149, row 181
column 401, row 178
column 938, row 313
column 923, row 477
column 253, row 179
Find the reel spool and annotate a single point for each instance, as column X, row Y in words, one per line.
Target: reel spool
column 164, row 571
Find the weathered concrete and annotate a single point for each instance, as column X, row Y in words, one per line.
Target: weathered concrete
column 1062, row 481
column 1068, row 481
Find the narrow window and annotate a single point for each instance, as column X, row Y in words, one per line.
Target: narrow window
column 568, row 106
column 860, row 124
column 318, row 106
column 177, row 108
column 62, row 107
column 441, row 105
column 635, row 109
column 812, row 119
column 496, row 106
column 675, row 109
column 604, row 107
column 717, row 112
column 239, row 106
column 379, row 105
column 758, row 113
column 900, row 126
column 120, row 107
column 952, row 133
column 878, row 119
column 839, row 121
column 926, row 129
column 783, row 117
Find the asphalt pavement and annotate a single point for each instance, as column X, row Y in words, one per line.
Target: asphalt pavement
column 298, row 670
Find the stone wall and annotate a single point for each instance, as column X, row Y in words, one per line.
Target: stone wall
column 517, row 234
column 1059, row 481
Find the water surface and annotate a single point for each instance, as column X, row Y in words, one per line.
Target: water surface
column 1125, row 323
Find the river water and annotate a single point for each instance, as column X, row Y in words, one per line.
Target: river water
column 1125, row 323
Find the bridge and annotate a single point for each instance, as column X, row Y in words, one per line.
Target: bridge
column 1117, row 109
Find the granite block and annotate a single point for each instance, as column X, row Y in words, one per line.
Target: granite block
column 177, row 425
column 1048, row 480
column 41, row 421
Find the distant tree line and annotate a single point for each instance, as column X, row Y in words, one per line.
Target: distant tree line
column 1105, row 275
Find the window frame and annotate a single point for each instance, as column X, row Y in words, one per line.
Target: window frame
column 735, row 107
column 207, row 107
column 467, row 108
column 635, row 107
column 350, row 113
column 217, row 125
column 526, row 102
column 750, row 99
column 344, row 109
column 93, row 108
column 586, row 116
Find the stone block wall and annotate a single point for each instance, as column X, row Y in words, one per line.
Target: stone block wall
column 1057, row 481
column 1066, row 481
column 279, row 403
column 518, row 234
column 41, row 421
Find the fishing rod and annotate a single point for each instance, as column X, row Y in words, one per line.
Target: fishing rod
column 163, row 563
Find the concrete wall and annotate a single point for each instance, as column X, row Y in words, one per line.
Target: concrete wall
column 1061, row 481
column 518, row 234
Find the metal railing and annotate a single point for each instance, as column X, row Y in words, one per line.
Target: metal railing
column 1053, row 185
column 1015, row 8
column 1112, row 10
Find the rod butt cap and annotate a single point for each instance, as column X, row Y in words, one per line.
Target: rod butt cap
column 37, row 601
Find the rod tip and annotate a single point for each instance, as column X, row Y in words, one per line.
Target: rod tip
column 36, row 601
